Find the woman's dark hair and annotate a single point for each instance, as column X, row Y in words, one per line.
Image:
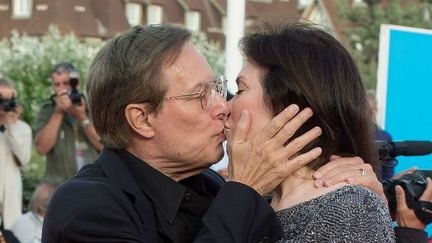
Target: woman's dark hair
column 307, row 66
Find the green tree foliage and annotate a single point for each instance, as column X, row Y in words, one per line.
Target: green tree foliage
column 211, row 50
column 27, row 61
column 362, row 27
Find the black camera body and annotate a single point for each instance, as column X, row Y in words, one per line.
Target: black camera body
column 74, row 94
column 8, row 104
column 414, row 185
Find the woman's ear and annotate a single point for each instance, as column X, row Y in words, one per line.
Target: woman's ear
column 139, row 118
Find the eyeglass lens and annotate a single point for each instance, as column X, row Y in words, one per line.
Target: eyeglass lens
column 210, row 89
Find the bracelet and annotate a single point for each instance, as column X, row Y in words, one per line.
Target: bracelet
column 85, row 123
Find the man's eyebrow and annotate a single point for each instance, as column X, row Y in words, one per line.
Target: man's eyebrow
column 196, row 88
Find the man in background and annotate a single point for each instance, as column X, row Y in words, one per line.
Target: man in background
column 15, row 151
column 28, row 227
column 64, row 132
column 387, row 168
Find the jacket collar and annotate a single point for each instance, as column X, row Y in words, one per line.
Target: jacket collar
column 136, row 177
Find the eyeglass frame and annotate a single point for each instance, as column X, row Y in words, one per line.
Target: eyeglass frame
column 199, row 94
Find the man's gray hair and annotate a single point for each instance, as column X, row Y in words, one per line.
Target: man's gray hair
column 6, row 83
column 41, row 196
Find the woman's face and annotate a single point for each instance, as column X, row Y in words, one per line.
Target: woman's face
column 249, row 97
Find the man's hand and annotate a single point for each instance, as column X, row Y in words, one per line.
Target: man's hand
column 78, row 111
column 405, row 216
column 264, row 162
column 351, row 170
column 11, row 117
column 64, row 104
column 223, row 172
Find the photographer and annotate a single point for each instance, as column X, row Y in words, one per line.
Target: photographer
column 15, row 151
column 406, row 217
column 64, row 132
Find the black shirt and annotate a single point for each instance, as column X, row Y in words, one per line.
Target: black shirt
column 8, row 236
column 179, row 206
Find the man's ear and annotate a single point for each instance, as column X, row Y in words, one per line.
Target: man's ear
column 139, row 118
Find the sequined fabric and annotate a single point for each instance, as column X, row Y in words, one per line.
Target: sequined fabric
column 347, row 214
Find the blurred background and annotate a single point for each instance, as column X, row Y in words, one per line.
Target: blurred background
column 36, row 34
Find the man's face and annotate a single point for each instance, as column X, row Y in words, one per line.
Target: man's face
column 184, row 132
column 60, row 82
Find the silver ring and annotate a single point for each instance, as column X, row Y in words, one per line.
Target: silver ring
column 362, row 172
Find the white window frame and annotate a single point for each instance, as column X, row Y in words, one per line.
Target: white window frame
column 262, row 1
column 193, row 20
column 302, row 4
column 359, row 3
column 154, row 14
column 133, row 13
column 224, row 24
column 22, row 9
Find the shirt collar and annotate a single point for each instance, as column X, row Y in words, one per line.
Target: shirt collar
column 165, row 193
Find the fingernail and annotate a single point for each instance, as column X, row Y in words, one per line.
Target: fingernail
column 308, row 111
column 318, row 150
column 398, row 188
column 317, row 175
column 293, row 108
column 349, row 180
column 327, row 182
column 318, row 183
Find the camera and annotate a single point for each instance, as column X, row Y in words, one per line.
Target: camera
column 74, row 94
column 413, row 185
column 8, row 104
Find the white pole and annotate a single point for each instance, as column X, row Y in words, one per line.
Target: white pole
column 235, row 23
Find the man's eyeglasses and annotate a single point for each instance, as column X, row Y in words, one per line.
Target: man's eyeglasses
column 207, row 94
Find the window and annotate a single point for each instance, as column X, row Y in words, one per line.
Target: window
column 4, row 7
column 302, row 4
column 22, row 9
column 193, row 20
column 79, row 8
column 154, row 14
column 224, row 25
column 42, row 7
column 249, row 22
column 133, row 13
column 359, row 3
column 262, row 1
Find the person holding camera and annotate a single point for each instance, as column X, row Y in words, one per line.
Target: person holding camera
column 64, row 132
column 15, row 151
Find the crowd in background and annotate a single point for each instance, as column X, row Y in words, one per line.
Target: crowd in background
column 63, row 132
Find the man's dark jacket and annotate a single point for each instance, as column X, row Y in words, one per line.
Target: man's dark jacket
column 103, row 203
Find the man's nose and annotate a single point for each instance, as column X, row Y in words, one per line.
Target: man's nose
column 220, row 108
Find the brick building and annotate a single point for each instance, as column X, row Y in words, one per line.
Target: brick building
column 104, row 19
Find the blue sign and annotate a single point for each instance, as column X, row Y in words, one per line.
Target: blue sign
column 404, row 88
